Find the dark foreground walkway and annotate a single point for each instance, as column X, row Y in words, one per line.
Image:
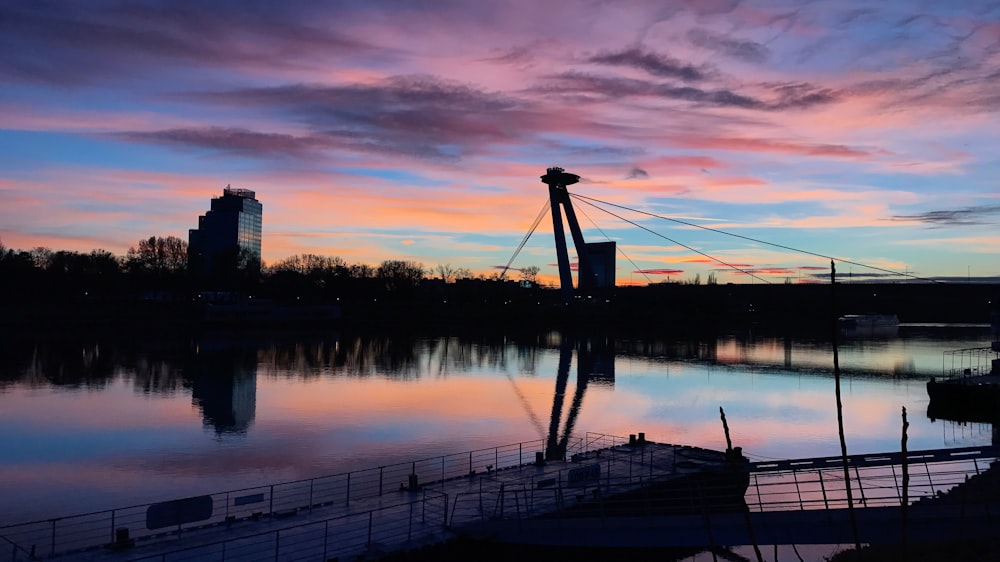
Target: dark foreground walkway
column 366, row 513
column 606, row 492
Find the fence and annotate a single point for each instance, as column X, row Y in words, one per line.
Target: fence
column 384, row 528
column 52, row 537
column 626, row 481
column 876, row 480
column 968, row 362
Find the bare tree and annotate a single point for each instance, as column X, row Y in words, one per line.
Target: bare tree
column 310, row 264
column 399, row 275
column 445, row 272
column 530, row 274
column 158, row 255
column 41, row 256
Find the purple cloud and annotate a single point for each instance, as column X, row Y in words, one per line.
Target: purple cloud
column 653, row 63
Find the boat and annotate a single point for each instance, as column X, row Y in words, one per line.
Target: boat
column 853, row 325
column 971, row 384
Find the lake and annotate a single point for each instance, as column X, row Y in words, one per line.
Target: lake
column 96, row 421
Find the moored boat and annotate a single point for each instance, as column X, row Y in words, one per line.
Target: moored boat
column 868, row 324
column 971, row 386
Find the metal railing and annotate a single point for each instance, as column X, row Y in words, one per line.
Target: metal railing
column 52, row 537
column 11, row 551
column 614, row 480
column 351, row 535
column 967, row 362
column 554, row 496
column 872, row 485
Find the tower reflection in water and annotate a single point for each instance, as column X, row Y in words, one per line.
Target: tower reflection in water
column 595, row 364
column 223, row 383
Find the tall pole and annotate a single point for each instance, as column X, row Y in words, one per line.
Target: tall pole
column 905, row 500
column 840, row 411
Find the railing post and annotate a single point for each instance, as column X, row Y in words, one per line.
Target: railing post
column 822, row 487
column 380, row 469
column 326, row 534
column 895, row 481
column 760, row 498
column 470, row 462
column 369, row 529
column 52, row 548
column 861, row 487
column 311, row 480
column 798, row 490
column 347, row 493
column 409, row 527
column 560, row 485
column 112, row 525
column 277, row 544
column 270, row 509
column 442, row 471
column 519, row 454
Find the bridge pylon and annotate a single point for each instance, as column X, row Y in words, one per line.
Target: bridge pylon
column 595, row 261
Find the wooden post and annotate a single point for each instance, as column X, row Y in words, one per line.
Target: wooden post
column 840, row 410
column 905, row 499
column 725, row 427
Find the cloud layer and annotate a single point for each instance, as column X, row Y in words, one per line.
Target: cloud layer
column 388, row 130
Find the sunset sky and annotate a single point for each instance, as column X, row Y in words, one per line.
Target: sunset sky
column 416, row 130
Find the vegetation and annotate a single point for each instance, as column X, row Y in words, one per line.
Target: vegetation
column 157, row 269
column 153, row 281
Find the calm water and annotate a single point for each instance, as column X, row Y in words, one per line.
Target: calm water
column 93, row 422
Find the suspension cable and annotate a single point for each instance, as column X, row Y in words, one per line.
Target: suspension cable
column 538, row 219
column 756, row 240
column 617, row 247
column 672, row 241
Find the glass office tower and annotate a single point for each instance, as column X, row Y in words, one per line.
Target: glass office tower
column 227, row 240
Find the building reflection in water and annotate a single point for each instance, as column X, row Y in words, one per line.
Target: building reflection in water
column 223, row 385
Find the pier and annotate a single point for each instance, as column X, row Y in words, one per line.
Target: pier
column 383, row 509
column 605, row 491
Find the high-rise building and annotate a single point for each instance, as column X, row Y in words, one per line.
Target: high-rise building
column 227, row 239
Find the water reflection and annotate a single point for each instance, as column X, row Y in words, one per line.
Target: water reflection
column 915, row 352
column 595, row 363
column 224, row 388
column 183, row 414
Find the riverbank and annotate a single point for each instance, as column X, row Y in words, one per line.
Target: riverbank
column 668, row 308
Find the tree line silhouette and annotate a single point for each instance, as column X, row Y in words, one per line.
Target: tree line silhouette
column 156, row 269
column 152, row 282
